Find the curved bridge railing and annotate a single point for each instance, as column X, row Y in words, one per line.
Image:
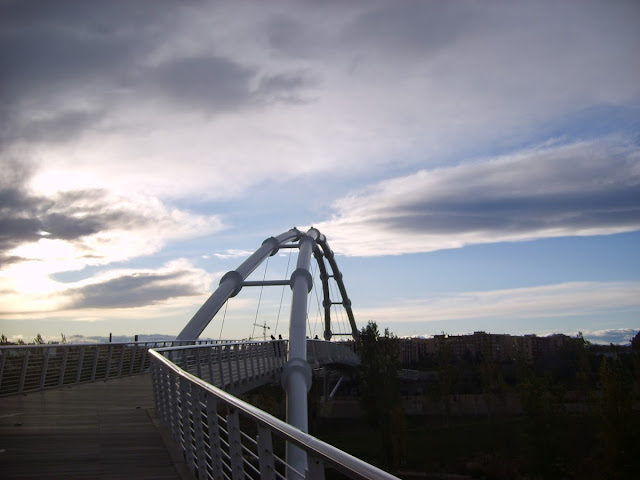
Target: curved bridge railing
column 223, row 437
column 238, row 367
column 29, row 368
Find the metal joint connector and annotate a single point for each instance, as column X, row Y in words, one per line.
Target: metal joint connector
column 297, row 365
column 234, row 277
column 304, row 273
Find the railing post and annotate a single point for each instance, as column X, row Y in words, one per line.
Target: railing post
column 220, row 368
column 94, row 368
column 65, row 355
column 229, row 349
column 80, row 360
column 187, row 422
column 45, row 367
column 210, row 365
column 235, row 444
column 315, row 470
column 200, row 450
column 123, row 349
column 238, row 379
column 23, row 374
column 144, row 358
column 214, row 435
column 2, row 363
column 198, row 366
column 174, row 400
column 108, row 367
column 265, row 454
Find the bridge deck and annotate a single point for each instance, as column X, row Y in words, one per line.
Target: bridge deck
column 101, row 430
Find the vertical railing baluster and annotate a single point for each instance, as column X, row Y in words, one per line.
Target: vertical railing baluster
column 265, row 454
column 210, row 364
column 144, row 358
column 187, row 420
column 238, row 365
column 221, row 368
column 80, row 360
column 174, row 402
column 198, row 421
column 65, row 355
column 214, row 436
column 235, row 444
column 123, row 349
column 198, row 366
column 134, row 351
column 229, row 355
column 108, row 367
column 45, row 367
column 23, row 374
column 94, row 368
column 3, row 361
column 252, row 358
column 245, row 359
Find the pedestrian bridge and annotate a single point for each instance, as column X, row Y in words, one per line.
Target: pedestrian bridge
column 195, row 381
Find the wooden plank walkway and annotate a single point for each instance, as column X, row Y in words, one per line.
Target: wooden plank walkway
column 100, row 430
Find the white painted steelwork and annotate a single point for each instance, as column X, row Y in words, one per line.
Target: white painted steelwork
column 28, row 368
column 296, row 378
column 206, row 422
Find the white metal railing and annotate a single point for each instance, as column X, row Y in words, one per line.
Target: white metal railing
column 223, row 437
column 27, row 368
column 320, row 352
column 234, row 366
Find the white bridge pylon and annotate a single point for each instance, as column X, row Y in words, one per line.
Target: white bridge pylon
column 296, row 376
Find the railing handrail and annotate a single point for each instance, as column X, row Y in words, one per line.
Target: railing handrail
column 140, row 342
column 189, row 345
column 333, row 456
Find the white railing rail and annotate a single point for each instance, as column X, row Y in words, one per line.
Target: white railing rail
column 236, row 367
column 223, row 437
column 28, row 368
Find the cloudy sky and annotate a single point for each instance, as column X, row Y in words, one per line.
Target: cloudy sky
column 475, row 165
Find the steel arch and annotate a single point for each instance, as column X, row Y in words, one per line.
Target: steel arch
column 233, row 281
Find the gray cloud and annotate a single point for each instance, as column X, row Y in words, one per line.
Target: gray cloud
column 215, row 82
column 134, row 290
column 583, row 188
column 417, row 26
column 26, row 218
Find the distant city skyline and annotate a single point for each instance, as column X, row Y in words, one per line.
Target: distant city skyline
column 474, row 166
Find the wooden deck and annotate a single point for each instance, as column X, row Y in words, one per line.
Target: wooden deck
column 100, row 430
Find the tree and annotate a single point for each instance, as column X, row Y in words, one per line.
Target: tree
column 379, row 392
column 615, row 407
column 38, row 340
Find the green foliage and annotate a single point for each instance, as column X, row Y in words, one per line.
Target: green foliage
column 38, row 340
column 615, row 406
column 380, row 395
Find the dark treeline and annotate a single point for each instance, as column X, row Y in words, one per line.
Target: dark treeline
column 577, row 415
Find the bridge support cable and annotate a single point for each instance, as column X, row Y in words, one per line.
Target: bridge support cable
column 231, row 284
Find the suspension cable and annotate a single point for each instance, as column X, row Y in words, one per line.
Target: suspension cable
column 224, row 315
column 282, row 295
column 255, row 320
